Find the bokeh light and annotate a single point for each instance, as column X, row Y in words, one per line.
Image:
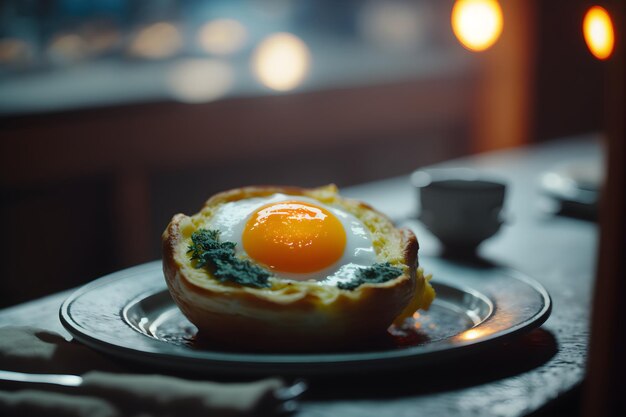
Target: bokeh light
column 598, row 32
column 393, row 24
column 477, row 23
column 200, row 80
column 67, row 48
column 157, row 41
column 281, row 61
column 222, row 36
column 15, row 51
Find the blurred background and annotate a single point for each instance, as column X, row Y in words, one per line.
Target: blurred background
column 116, row 114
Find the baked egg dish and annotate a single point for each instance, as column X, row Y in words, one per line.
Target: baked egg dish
column 285, row 268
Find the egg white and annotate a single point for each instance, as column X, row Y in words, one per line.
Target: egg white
column 231, row 218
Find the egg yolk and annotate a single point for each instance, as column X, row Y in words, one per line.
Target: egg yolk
column 293, row 236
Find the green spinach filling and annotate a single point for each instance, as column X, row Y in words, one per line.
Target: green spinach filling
column 375, row 274
column 219, row 258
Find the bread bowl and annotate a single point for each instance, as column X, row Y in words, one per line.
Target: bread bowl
column 293, row 314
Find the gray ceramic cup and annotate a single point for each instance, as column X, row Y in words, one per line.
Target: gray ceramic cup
column 460, row 207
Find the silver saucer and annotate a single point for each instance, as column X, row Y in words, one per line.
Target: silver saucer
column 131, row 315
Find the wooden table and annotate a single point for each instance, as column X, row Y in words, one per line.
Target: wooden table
column 513, row 379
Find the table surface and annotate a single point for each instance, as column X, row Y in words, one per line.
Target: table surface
column 512, row 379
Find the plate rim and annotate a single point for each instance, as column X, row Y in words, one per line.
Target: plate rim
column 318, row 362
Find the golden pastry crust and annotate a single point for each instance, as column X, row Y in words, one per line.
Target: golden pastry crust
column 290, row 315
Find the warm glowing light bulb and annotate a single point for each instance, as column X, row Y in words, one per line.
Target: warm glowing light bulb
column 477, row 23
column 598, row 32
column 281, row 61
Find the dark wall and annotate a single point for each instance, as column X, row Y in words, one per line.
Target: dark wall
column 54, row 236
column 569, row 80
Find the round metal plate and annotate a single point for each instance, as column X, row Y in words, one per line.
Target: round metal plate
column 130, row 314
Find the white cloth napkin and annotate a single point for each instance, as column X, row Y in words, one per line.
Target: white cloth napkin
column 106, row 392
